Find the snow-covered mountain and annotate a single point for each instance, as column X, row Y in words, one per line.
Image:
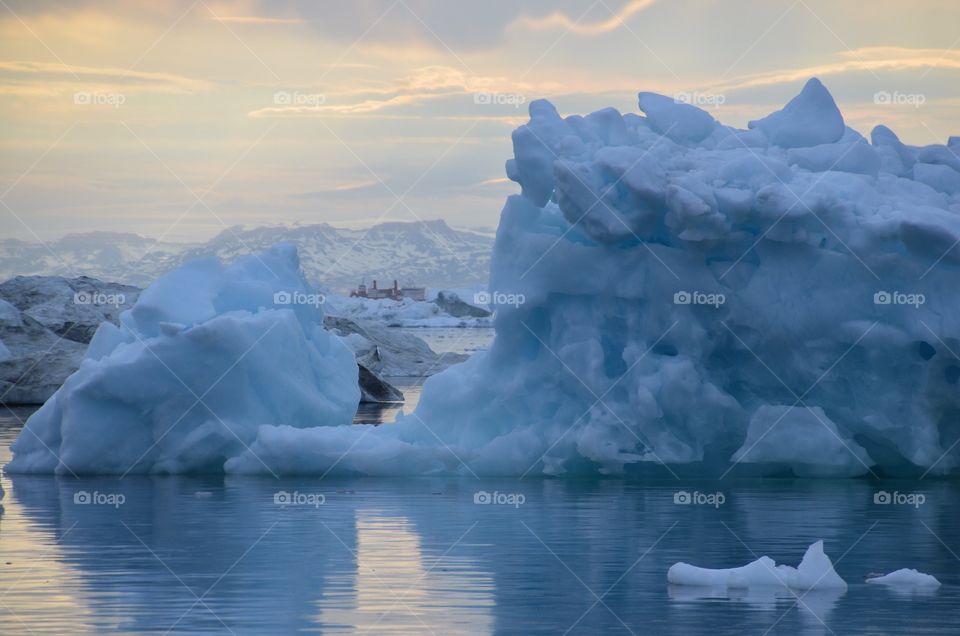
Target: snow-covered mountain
column 110, row 256
column 429, row 253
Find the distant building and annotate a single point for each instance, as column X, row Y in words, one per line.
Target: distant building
column 393, row 293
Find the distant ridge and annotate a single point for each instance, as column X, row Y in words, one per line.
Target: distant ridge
column 429, row 253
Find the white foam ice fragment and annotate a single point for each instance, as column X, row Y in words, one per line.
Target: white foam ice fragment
column 815, row 572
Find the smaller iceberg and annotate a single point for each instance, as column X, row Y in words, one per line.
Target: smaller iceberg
column 209, row 357
column 906, row 577
column 815, row 572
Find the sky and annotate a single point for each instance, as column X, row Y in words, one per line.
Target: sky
column 176, row 119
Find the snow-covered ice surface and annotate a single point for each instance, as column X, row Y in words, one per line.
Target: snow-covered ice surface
column 815, row 572
column 781, row 298
column 906, row 577
column 208, row 354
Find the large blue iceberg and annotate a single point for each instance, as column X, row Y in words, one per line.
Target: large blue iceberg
column 683, row 296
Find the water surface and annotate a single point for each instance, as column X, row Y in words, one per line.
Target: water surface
column 420, row 556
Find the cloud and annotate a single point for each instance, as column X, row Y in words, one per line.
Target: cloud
column 255, row 19
column 42, row 78
column 855, row 61
column 497, row 181
column 560, row 20
column 342, row 188
column 423, row 85
column 446, row 24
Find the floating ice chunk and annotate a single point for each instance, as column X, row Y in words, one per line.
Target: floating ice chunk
column 815, row 572
column 906, row 577
column 803, row 439
column 676, row 120
column 809, row 119
column 763, row 571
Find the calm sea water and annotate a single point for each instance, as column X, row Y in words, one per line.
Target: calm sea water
column 455, row 340
column 420, row 556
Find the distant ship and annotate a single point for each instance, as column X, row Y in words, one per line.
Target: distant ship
column 391, row 293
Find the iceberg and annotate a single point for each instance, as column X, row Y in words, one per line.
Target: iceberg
column 815, row 572
column 680, row 295
column 780, row 299
column 207, row 355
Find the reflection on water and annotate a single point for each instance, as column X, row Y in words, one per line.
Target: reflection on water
column 396, row 588
column 214, row 554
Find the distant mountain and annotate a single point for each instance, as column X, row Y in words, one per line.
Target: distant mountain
column 429, row 253
column 109, row 256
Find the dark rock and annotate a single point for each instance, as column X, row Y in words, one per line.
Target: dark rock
column 451, row 303
column 373, row 389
